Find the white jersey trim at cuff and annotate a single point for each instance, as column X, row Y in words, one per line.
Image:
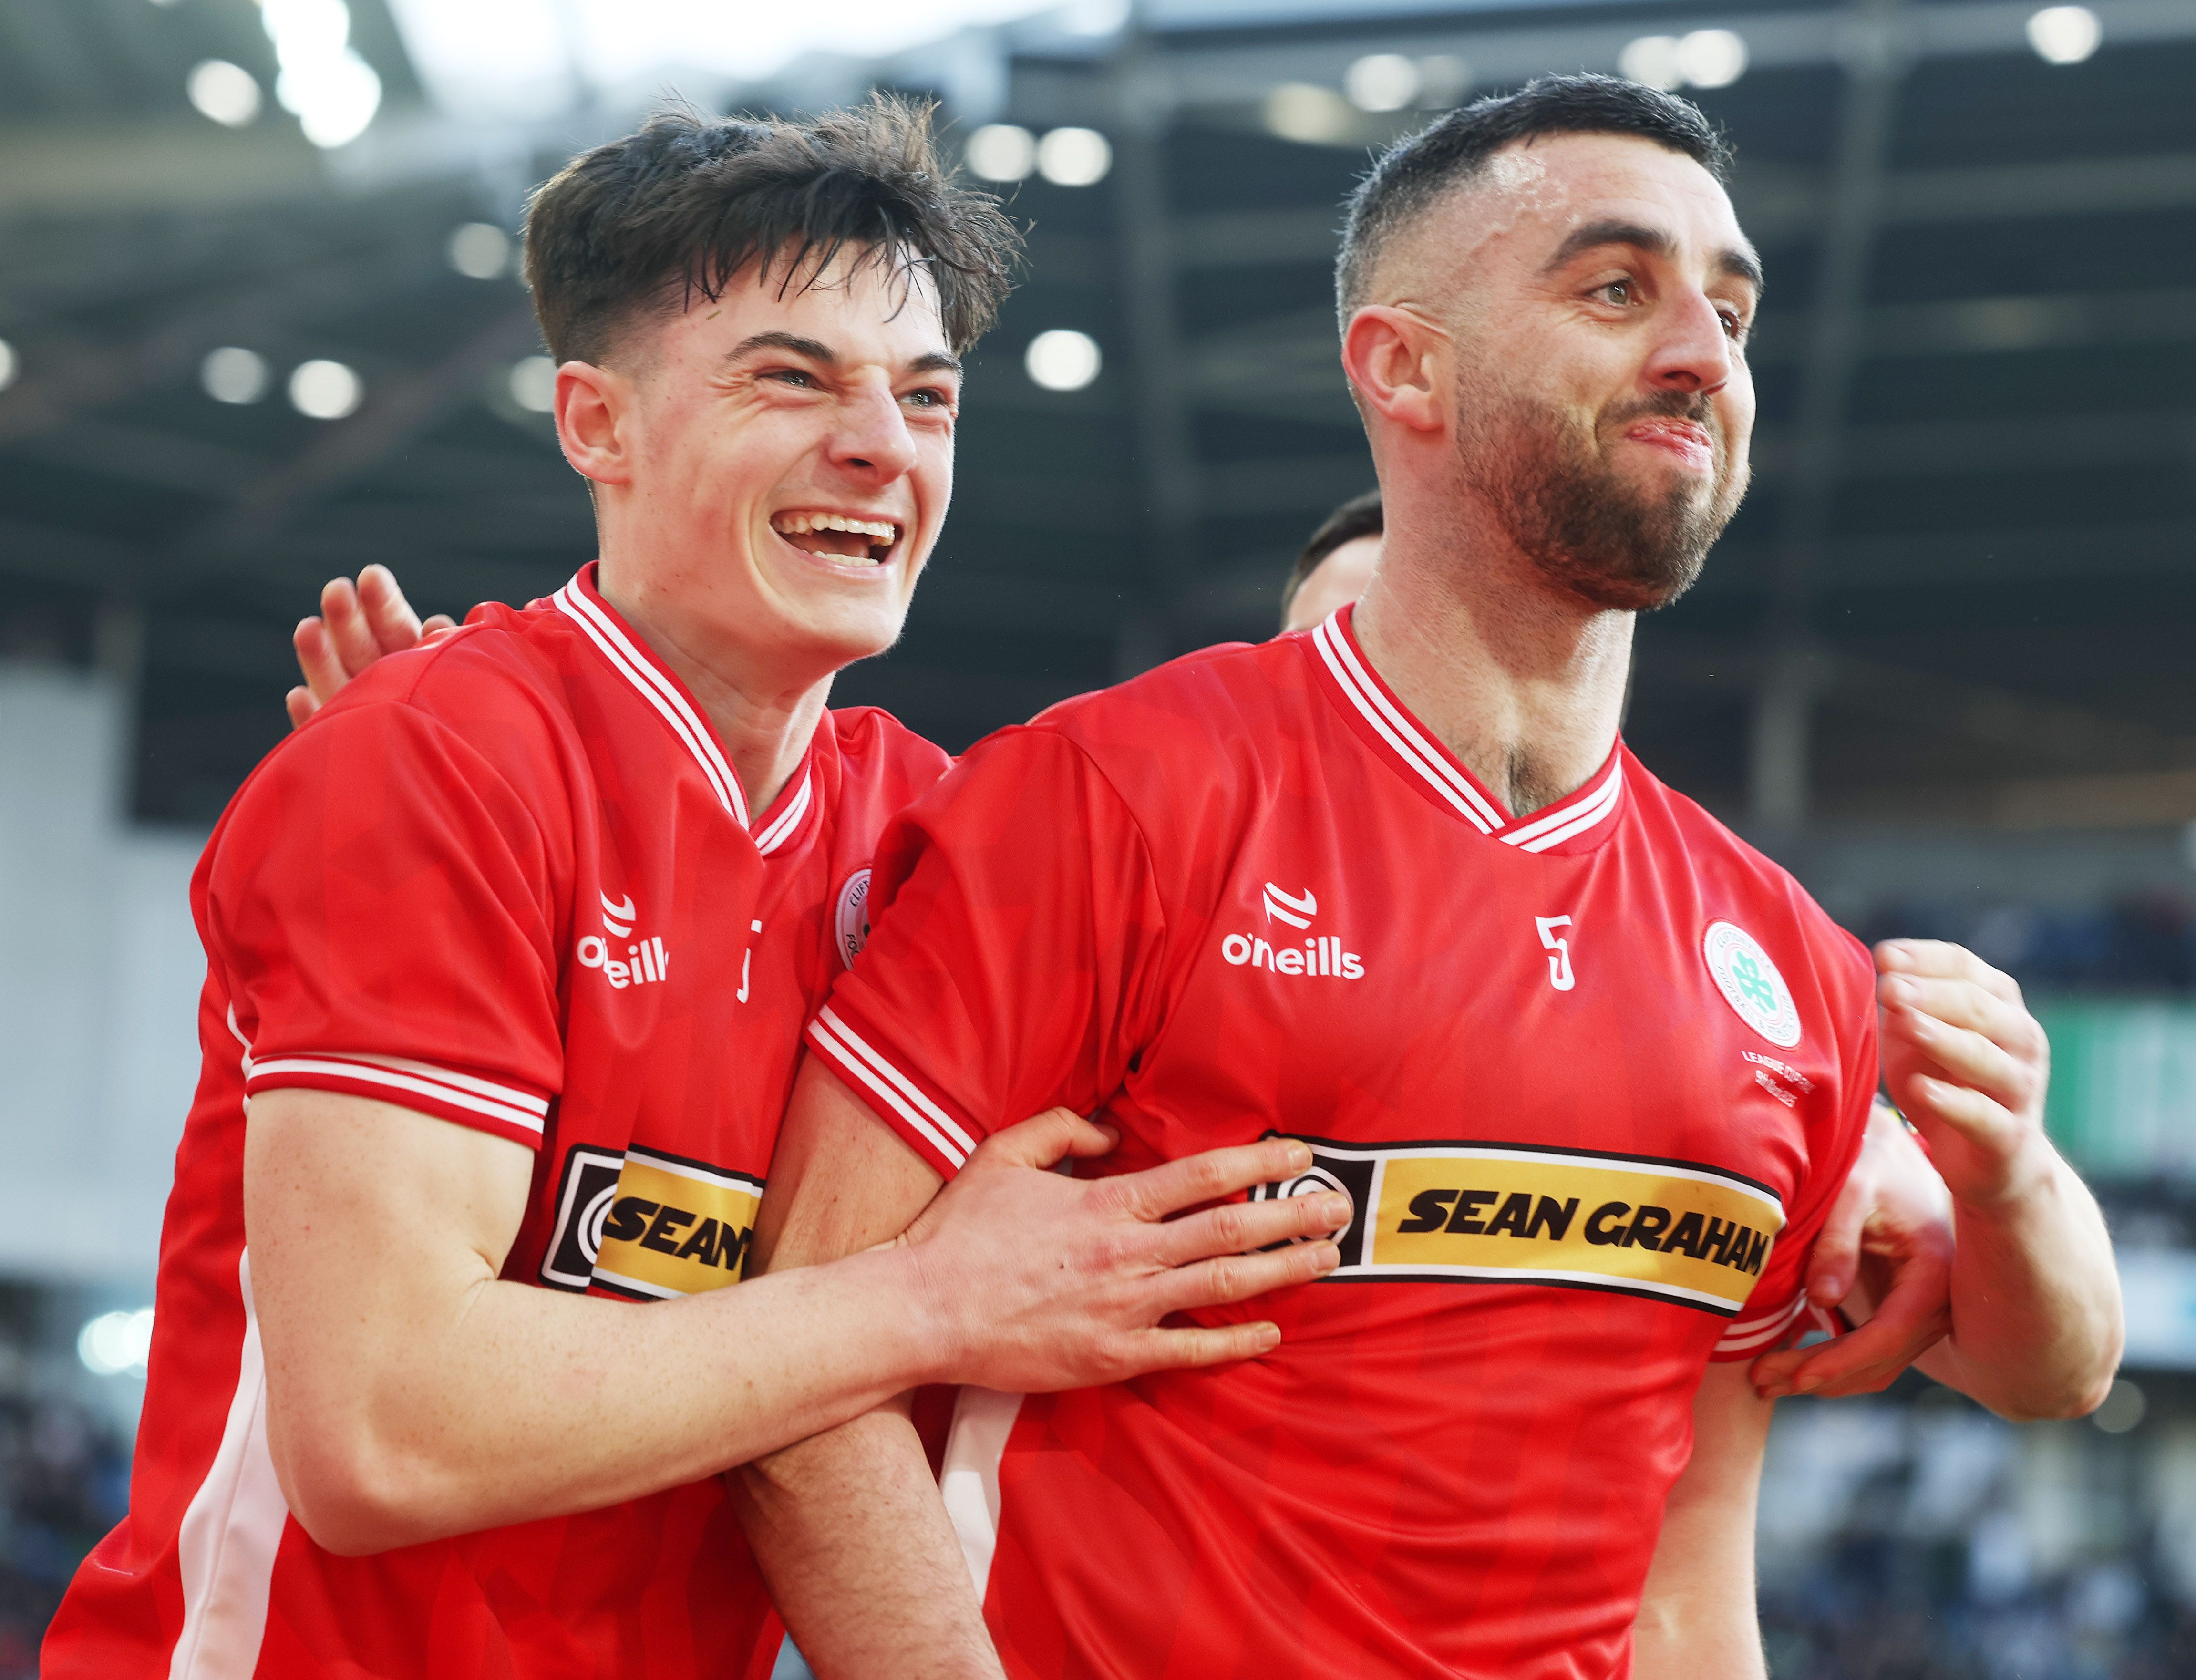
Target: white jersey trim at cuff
column 505, row 1103
column 898, row 1093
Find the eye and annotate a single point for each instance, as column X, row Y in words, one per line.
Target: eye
column 1621, row 293
column 796, row 377
column 1734, row 325
column 929, row 397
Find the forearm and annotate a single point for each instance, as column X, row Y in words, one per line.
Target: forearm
column 1697, row 1618
column 861, row 1557
column 518, row 1403
column 2037, row 1326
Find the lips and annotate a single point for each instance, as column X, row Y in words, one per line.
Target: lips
column 1685, row 439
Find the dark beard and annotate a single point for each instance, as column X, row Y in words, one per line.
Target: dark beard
column 1588, row 532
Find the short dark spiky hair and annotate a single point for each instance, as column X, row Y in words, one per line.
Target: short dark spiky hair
column 1417, row 170
column 646, row 223
column 1361, row 515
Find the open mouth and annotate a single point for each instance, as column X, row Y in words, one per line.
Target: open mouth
column 845, row 537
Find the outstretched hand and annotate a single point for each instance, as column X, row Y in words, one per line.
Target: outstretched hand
column 353, row 627
column 1059, row 1283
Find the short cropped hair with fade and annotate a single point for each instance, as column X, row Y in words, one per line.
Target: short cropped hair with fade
column 646, row 224
column 1455, row 149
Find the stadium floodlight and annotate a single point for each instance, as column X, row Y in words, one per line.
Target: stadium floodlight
column 1652, row 61
column 2064, row 34
column 233, row 374
column 479, row 250
column 116, row 1343
column 1063, row 360
column 1002, row 152
column 227, row 93
column 1382, row 82
column 1712, row 58
column 10, row 364
column 533, row 385
column 325, row 84
column 326, row 390
column 1304, row 112
column 1074, row 157
column 1094, row 17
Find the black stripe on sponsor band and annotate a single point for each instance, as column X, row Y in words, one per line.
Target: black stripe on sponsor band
column 1375, row 1152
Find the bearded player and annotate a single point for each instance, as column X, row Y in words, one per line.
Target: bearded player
column 508, row 955
column 1589, row 1071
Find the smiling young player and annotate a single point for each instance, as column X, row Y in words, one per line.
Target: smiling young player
column 508, row 954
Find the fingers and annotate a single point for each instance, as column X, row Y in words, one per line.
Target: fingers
column 1173, row 1350
column 1912, row 1319
column 1237, row 1227
column 1045, row 1140
column 1237, row 1277
column 300, row 705
column 1960, row 1003
column 1835, row 1261
column 1158, row 1191
column 1966, row 1111
column 389, row 616
column 436, row 624
column 347, row 626
column 1968, row 1058
column 1939, row 959
column 318, row 661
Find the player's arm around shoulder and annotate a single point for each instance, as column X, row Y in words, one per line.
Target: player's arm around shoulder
column 1697, row 1616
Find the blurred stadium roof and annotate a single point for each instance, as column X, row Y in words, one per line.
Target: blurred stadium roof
column 1964, row 588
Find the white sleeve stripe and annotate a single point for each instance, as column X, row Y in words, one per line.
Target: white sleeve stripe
column 466, row 1081
column 906, row 1086
column 1751, row 1333
column 827, row 1042
column 437, row 1087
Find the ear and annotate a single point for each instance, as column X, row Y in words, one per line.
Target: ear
column 594, row 417
column 1395, row 359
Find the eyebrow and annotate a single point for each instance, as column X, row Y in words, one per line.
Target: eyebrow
column 1734, row 261
column 815, row 349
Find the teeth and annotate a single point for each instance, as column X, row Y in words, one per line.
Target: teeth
column 799, row 524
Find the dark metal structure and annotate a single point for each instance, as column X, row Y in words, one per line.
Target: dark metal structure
column 1962, row 588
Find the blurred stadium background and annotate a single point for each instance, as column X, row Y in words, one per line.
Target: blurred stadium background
column 259, row 325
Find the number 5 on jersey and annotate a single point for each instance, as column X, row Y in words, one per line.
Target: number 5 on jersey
column 1559, row 950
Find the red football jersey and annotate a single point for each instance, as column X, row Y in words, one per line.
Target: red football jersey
column 1592, row 1077
column 511, row 881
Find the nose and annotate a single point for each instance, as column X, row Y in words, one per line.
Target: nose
column 1692, row 352
column 872, row 439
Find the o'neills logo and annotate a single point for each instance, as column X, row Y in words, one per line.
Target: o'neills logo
column 1318, row 955
column 1471, row 1212
column 644, row 961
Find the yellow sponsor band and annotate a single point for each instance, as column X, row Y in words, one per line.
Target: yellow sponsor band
column 676, row 1227
column 1498, row 1213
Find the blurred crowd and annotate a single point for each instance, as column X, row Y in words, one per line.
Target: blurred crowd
column 2142, row 942
column 64, row 1482
column 1916, row 1537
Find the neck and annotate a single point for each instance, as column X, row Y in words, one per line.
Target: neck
column 765, row 715
column 1522, row 681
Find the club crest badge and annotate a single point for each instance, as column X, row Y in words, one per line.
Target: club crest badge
column 851, row 922
column 1750, row 983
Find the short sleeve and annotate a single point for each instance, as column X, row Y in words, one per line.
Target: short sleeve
column 1014, row 946
column 1778, row 1312
column 379, row 907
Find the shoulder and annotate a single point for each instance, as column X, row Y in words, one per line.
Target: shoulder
column 1211, row 689
column 875, row 749
column 1746, row 882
